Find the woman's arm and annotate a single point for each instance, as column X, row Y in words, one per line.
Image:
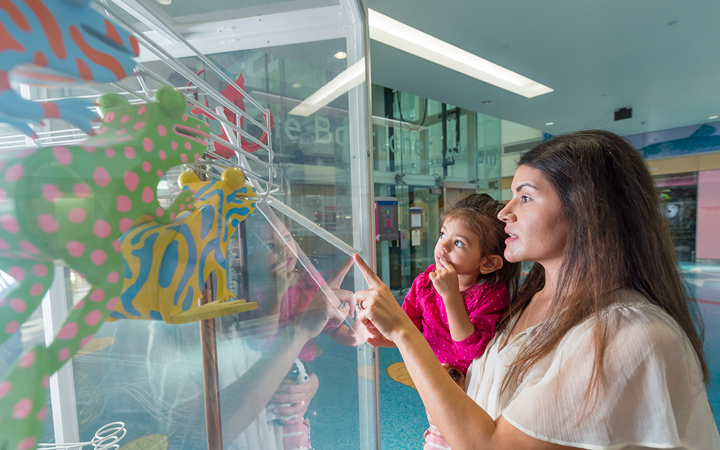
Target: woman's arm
column 461, row 421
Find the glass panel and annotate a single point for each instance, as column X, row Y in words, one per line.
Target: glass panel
column 273, row 389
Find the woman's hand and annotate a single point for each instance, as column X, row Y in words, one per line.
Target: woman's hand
column 323, row 312
column 445, row 280
column 379, row 311
column 297, row 396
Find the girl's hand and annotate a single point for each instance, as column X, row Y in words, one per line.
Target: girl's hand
column 445, row 280
column 297, row 396
column 378, row 309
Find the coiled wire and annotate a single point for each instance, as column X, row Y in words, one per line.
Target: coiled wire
column 106, row 438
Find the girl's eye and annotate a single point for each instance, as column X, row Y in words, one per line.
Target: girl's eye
column 442, row 235
column 459, row 244
column 270, row 246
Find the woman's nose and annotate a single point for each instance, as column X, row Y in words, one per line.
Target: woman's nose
column 506, row 214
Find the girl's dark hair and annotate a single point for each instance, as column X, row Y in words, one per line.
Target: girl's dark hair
column 618, row 238
column 478, row 212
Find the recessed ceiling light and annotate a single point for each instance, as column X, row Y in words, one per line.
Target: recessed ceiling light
column 485, row 102
column 547, row 124
column 340, row 55
column 296, row 85
column 164, row 2
column 712, row 117
column 411, row 40
column 346, row 80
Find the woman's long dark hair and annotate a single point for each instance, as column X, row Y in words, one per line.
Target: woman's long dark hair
column 618, row 238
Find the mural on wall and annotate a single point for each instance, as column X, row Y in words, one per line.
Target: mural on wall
column 678, row 141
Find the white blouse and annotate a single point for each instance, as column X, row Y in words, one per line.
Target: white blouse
column 653, row 395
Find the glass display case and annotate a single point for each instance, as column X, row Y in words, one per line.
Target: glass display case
column 285, row 83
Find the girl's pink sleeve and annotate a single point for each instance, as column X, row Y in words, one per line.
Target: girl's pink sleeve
column 485, row 313
column 411, row 305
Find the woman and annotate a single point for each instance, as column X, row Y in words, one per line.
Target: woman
column 598, row 348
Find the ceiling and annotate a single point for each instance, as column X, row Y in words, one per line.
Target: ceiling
column 659, row 57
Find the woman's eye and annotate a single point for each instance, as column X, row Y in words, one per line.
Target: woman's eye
column 524, row 199
column 459, row 244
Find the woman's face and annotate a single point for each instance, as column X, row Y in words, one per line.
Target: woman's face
column 533, row 221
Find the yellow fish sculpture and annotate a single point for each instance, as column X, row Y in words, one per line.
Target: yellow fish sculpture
column 166, row 266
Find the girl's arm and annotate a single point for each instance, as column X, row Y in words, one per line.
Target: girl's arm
column 445, row 281
column 463, row 423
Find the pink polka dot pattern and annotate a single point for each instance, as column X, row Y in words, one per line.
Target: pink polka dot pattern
column 162, row 131
column 46, row 381
column 64, row 354
column 27, row 360
column 162, row 155
column 4, row 245
column 81, row 190
column 159, row 211
column 187, row 145
column 50, row 192
column 197, row 156
column 75, row 248
column 5, row 388
column 36, row 289
column 97, row 295
column 85, row 340
column 101, row 130
column 184, row 117
column 12, row 327
column 18, row 305
column 141, row 110
column 98, row 257
column 14, row 173
column 109, row 117
column 124, row 204
column 62, row 155
column 183, row 158
column 93, row 317
column 47, row 223
column 17, row 272
column 77, row 215
column 22, row 408
column 160, row 173
column 172, row 216
column 131, row 181
column 39, row 270
column 139, row 125
column 125, row 224
column 113, row 277
column 27, row 444
column 9, row 223
column 173, row 145
column 148, row 144
column 148, row 195
column 28, row 247
column 101, row 177
column 124, row 119
column 102, row 229
column 42, row 414
column 147, row 167
column 116, row 243
column 68, row 332
column 129, row 153
column 112, row 303
column 110, row 152
column 120, row 132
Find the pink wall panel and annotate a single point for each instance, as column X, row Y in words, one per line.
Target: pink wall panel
column 708, row 215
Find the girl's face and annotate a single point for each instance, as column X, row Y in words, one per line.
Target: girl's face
column 533, row 220
column 459, row 246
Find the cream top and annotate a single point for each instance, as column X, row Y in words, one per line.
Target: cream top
column 653, row 395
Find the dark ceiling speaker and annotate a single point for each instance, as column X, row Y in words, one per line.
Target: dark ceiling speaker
column 623, row 113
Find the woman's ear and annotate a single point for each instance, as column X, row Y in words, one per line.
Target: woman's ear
column 490, row 264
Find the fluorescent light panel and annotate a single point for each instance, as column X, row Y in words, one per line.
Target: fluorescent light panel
column 411, row 40
column 346, row 80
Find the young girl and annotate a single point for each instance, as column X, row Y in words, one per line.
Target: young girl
column 457, row 301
